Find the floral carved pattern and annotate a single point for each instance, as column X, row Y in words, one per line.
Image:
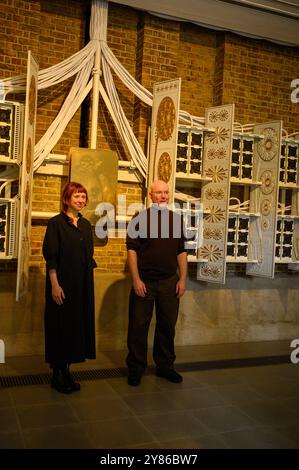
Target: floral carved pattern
column 32, row 100
column 165, row 119
column 266, row 206
column 216, row 214
column 211, row 271
column 268, row 182
column 28, row 155
column 217, row 173
column 26, row 218
column 217, row 153
column 214, row 194
column 268, row 147
column 164, row 167
column 27, row 193
column 218, row 116
column 211, row 252
column 265, row 224
column 214, row 233
column 218, row 136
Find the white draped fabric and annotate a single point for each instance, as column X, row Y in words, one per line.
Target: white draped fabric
column 80, row 66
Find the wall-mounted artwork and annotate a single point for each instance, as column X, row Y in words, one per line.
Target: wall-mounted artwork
column 97, row 171
column 264, row 200
column 162, row 159
column 215, row 195
column 26, row 178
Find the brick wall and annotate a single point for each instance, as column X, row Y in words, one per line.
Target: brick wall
column 257, row 78
column 196, row 62
column 215, row 68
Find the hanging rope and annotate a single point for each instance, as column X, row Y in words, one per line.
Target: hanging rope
column 79, row 91
column 122, row 124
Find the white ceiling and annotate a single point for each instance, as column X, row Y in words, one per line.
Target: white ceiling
column 273, row 20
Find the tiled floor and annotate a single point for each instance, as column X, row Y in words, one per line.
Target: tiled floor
column 237, row 407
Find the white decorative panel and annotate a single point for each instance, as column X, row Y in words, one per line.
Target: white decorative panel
column 295, row 212
column 26, row 178
column 215, row 193
column 11, row 126
column 8, row 216
column 264, row 200
column 164, row 132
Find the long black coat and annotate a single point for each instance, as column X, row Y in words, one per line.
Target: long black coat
column 70, row 327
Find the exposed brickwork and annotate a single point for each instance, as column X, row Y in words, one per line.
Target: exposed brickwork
column 257, row 78
column 215, row 67
column 46, row 193
column 196, row 63
column 19, row 31
column 219, row 70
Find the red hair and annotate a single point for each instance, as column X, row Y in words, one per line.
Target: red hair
column 71, row 188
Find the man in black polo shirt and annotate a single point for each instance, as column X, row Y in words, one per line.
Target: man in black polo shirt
column 156, row 251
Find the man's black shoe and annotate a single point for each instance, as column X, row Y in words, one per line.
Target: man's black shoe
column 170, row 375
column 134, row 380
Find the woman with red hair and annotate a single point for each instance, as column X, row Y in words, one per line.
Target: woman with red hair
column 69, row 312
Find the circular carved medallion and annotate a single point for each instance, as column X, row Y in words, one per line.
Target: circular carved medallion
column 27, row 193
column 265, row 224
column 267, row 182
column 164, row 167
column 28, row 156
column 268, row 147
column 165, row 118
column 266, row 206
column 26, row 218
column 32, row 100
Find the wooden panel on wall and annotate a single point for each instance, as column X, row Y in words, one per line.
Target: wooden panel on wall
column 264, row 200
column 215, row 194
column 97, row 171
column 26, row 178
column 164, row 133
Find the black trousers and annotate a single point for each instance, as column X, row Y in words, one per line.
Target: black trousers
column 160, row 293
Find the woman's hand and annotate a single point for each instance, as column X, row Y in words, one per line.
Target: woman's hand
column 58, row 294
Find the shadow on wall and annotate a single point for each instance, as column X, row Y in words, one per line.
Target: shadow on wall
column 21, row 323
column 112, row 298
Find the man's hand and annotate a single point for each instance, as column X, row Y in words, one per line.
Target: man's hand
column 180, row 288
column 58, row 294
column 139, row 287
column 138, row 284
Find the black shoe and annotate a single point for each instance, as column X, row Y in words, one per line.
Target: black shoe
column 134, row 379
column 59, row 383
column 75, row 386
column 170, row 374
